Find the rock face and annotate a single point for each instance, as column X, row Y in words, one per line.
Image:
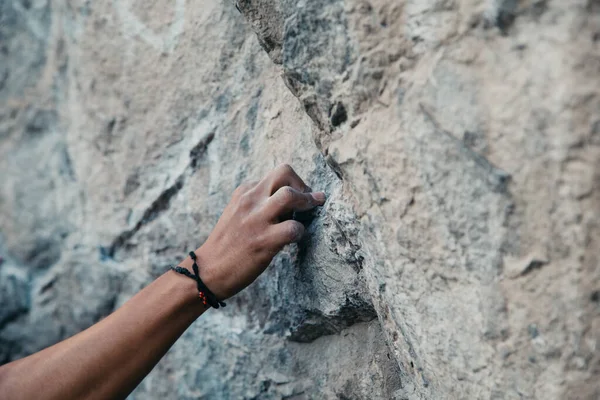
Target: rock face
column 457, row 256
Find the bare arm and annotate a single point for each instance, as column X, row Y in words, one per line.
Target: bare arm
column 109, row 359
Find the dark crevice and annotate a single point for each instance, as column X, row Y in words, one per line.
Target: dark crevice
column 310, row 324
column 504, row 20
column 66, row 169
column 110, row 127
column 355, row 260
column 496, row 178
column 45, row 252
column 156, row 208
column 315, row 324
column 163, row 201
column 506, row 15
column 41, row 121
column 533, row 265
column 48, row 285
column 334, row 166
column 338, row 114
column 198, row 151
column 10, row 316
column 14, row 316
column 307, row 325
column 3, row 80
column 539, row 8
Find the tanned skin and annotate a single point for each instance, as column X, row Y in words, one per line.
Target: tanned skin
column 109, row 359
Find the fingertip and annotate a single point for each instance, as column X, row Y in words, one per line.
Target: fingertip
column 297, row 231
column 289, row 231
column 319, row 197
column 286, row 232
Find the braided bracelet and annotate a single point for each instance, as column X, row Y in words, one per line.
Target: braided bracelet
column 204, row 292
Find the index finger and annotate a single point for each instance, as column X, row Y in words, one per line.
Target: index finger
column 288, row 199
column 283, row 175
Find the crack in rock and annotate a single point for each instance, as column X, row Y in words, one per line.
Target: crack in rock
column 163, row 201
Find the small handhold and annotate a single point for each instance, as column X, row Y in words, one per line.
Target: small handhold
column 515, row 267
column 337, row 114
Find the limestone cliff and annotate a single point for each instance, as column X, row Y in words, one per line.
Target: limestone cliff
column 457, row 256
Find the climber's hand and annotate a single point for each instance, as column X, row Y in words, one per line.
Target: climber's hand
column 253, row 228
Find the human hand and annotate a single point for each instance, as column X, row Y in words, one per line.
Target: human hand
column 253, row 228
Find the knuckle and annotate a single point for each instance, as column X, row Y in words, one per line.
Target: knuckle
column 245, row 201
column 287, row 195
column 239, row 191
column 285, row 169
column 245, row 187
column 258, row 242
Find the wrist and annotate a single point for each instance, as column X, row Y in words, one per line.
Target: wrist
column 184, row 292
column 208, row 273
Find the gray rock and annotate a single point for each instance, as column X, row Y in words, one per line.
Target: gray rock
column 457, row 142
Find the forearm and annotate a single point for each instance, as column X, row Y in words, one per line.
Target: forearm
column 109, row 359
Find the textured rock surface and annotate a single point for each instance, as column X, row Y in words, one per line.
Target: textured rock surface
column 459, row 143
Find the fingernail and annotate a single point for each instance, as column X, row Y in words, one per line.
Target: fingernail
column 318, row 196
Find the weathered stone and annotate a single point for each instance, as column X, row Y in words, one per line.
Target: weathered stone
column 456, row 256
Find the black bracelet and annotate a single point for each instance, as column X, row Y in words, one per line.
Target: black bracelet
column 204, row 292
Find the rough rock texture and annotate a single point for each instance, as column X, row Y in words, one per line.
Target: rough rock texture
column 458, row 140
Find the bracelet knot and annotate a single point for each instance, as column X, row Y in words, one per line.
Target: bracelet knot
column 204, row 293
